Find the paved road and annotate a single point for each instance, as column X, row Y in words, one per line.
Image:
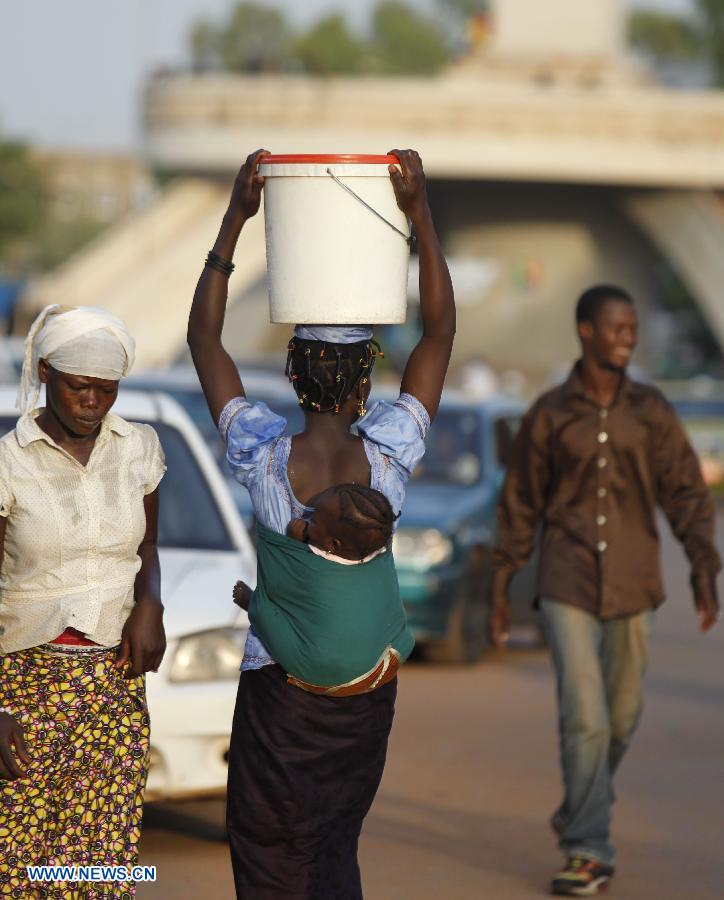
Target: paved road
column 472, row 778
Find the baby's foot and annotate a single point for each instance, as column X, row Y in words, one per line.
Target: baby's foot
column 242, row 595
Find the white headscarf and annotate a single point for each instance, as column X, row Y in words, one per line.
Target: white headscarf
column 77, row 340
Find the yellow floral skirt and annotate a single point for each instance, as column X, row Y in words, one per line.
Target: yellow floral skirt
column 80, row 802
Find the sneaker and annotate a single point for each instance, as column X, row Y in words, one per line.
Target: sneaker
column 582, row 877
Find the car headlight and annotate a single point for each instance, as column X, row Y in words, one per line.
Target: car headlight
column 422, row 548
column 209, row 656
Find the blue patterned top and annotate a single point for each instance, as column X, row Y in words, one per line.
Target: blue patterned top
column 393, row 436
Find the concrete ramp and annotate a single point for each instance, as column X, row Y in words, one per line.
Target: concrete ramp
column 145, row 268
column 688, row 229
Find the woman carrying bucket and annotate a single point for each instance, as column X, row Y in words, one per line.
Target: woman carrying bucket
column 304, row 768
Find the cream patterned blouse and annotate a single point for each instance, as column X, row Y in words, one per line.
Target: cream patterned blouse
column 73, row 531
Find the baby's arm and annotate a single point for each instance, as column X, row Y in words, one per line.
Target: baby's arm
column 242, row 595
column 297, row 529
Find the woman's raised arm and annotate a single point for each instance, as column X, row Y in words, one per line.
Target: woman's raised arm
column 217, row 371
column 426, row 368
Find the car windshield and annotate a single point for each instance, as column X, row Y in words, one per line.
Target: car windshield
column 453, row 450
column 704, row 423
column 188, row 515
column 191, row 399
column 699, row 409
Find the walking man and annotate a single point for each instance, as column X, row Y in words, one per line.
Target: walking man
column 594, row 458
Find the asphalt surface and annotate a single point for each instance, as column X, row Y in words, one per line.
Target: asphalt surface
column 472, row 778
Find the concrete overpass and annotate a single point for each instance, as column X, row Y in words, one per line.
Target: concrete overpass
column 625, row 134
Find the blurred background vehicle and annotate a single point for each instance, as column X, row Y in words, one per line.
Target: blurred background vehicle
column 12, row 351
column 182, row 383
column 203, row 548
column 447, row 530
column 700, row 404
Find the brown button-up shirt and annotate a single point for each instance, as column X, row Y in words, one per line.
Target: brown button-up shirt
column 594, row 476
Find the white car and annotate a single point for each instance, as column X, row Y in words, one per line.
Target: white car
column 204, row 548
column 182, row 383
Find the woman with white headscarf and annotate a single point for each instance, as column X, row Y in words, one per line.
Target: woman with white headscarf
column 80, row 609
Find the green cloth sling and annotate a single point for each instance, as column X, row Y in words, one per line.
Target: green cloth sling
column 324, row 622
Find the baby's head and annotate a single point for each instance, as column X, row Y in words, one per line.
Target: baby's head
column 349, row 520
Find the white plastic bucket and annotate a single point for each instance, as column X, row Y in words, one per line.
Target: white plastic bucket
column 330, row 259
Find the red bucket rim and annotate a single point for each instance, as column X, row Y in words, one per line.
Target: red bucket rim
column 329, row 159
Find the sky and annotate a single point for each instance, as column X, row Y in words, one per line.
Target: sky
column 72, row 72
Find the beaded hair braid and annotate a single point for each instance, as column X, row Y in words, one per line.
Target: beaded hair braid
column 324, row 375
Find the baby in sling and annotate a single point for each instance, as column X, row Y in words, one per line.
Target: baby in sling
column 327, row 602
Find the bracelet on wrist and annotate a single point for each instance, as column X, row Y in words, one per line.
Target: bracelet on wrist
column 214, row 261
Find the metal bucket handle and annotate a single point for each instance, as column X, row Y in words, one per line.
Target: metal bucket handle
column 409, row 238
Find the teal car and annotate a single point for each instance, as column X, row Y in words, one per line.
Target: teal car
column 447, row 530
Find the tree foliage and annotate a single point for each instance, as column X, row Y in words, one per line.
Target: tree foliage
column 32, row 235
column 204, row 46
column 668, row 37
column 259, row 39
column 663, row 36
column 711, row 23
column 407, row 42
column 23, row 196
column 464, row 8
column 329, row 49
column 253, row 39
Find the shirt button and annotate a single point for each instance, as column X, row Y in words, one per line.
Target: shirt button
column 602, row 492
column 600, row 520
column 601, row 546
column 601, row 462
column 602, row 437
